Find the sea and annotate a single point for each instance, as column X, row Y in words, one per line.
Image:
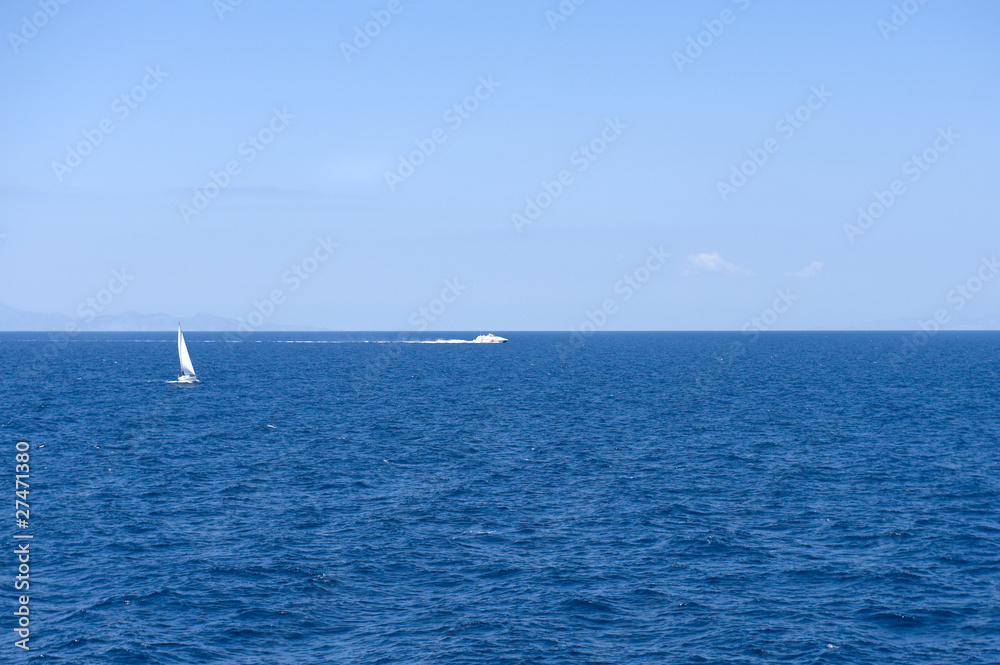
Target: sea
column 800, row 497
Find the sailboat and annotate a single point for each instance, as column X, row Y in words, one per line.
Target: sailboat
column 187, row 369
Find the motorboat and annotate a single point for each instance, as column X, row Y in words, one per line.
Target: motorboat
column 489, row 339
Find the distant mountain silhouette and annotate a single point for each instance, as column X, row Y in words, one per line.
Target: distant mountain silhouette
column 12, row 319
column 955, row 323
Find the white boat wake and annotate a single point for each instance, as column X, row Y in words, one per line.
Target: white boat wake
column 482, row 339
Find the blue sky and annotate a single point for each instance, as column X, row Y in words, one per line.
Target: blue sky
column 188, row 89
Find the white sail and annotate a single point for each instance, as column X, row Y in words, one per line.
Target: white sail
column 187, row 369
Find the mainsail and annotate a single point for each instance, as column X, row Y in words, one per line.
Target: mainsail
column 187, row 369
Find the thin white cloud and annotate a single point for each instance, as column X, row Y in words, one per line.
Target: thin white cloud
column 714, row 263
column 810, row 270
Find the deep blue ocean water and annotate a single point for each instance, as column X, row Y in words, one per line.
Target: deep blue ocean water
column 639, row 498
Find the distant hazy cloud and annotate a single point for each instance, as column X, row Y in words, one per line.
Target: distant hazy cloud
column 810, row 270
column 713, row 263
